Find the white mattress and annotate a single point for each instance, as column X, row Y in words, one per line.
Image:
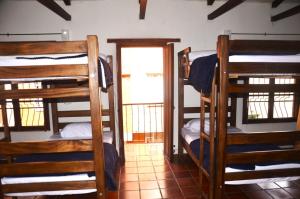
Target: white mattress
column 264, row 180
column 75, row 177
column 13, row 61
column 249, row 58
column 107, row 138
column 190, row 136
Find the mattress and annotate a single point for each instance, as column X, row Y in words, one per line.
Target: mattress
column 248, row 58
column 107, row 137
column 190, row 135
column 264, row 180
column 111, row 159
column 43, row 60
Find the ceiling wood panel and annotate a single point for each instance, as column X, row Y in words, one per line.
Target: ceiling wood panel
column 288, row 13
column 67, row 2
column 52, row 5
column 143, row 6
column 276, row 3
column 224, row 8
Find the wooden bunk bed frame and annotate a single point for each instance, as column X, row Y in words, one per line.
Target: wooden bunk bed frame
column 185, row 112
column 225, row 69
column 7, row 148
column 217, row 107
column 108, row 114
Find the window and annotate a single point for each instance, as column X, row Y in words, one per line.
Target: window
column 271, row 106
column 26, row 114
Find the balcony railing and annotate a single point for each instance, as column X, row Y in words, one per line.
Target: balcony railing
column 143, row 122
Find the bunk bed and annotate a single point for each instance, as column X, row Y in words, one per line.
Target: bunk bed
column 265, row 147
column 95, row 155
column 63, row 118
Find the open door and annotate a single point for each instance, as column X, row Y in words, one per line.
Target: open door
column 168, row 77
column 168, row 99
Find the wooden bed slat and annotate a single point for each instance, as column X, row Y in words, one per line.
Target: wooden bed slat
column 39, row 168
column 264, row 46
column 254, row 88
column 61, row 125
column 262, row 68
column 263, row 156
column 39, row 48
column 284, row 137
column 44, row 93
column 49, row 186
column 55, row 146
column 80, row 113
column 43, row 71
column 245, row 175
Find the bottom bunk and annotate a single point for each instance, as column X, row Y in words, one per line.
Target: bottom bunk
column 191, row 143
column 48, row 176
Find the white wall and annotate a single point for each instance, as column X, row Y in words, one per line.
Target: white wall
column 184, row 19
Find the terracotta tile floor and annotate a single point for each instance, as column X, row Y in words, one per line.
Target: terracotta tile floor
column 147, row 175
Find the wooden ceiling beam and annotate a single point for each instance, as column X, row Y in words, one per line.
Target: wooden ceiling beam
column 143, row 6
column 224, row 8
column 52, row 5
column 210, row 2
column 276, row 3
column 67, row 2
column 285, row 14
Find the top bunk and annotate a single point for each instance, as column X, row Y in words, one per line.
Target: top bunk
column 34, row 68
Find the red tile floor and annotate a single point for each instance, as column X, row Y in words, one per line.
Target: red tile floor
column 147, row 175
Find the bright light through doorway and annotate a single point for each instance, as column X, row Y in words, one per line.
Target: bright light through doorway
column 142, row 94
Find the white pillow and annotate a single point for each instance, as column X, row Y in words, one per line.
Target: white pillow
column 193, row 125
column 78, row 129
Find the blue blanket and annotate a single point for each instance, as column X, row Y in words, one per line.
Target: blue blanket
column 111, row 161
column 195, row 146
column 202, row 73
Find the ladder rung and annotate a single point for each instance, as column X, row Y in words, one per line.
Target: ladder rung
column 206, row 99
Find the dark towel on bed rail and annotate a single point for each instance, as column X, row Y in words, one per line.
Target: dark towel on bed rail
column 202, row 72
column 111, row 161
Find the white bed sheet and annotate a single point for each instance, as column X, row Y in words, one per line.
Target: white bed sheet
column 264, row 180
column 249, row 58
column 107, row 138
column 13, row 61
column 190, row 136
column 75, row 177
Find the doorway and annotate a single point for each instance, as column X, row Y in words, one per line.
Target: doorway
column 142, row 94
column 166, row 108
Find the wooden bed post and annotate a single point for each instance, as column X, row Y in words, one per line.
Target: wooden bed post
column 7, row 136
column 297, row 143
column 180, row 102
column 298, row 119
column 223, row 52
column 96, row 120
column 183, row 71
column 111, row 102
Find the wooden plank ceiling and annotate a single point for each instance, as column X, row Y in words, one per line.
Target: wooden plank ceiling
column 226, row 7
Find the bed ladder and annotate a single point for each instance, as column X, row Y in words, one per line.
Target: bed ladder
column 207, row 100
